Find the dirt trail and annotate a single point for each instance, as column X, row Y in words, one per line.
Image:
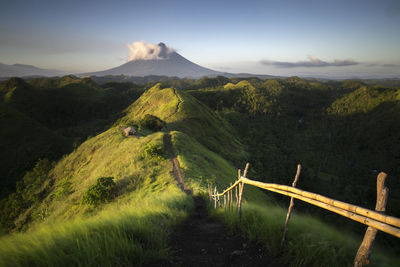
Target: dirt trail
column 203, row 241
column 176, row 171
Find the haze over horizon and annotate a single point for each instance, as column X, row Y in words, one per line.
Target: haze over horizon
column 304, row 38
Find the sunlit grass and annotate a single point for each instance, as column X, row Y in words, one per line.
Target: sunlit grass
column 309, row 242
column 132, row 233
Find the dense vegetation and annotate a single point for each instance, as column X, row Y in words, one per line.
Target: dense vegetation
column 46, row 118
column 343, row 133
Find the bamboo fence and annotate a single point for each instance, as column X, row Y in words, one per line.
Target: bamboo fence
column 376, row 220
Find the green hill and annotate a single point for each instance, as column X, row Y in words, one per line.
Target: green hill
column 112, row 154
column 23, row 141
column 184, row 113
column 115, row 201
column 140, row 170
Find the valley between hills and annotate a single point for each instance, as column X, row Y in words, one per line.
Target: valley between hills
column 77, row 191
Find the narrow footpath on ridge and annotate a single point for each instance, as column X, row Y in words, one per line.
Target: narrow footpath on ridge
column 204, row 241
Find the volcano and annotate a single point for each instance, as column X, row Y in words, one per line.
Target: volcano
column 162, row 61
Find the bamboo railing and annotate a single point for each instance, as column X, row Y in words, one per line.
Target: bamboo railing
column 376, row 220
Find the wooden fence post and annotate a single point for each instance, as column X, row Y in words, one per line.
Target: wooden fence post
column 241, row 187
column 231, row 198
column 236, row 196
column 228, row 199
column 246, row 169
column 290, row 206
column 364, row 252
column 240, row 201
column 209, row 192
column 233, row 202
column 224, row 201
column 237, row 190
column 215, row 198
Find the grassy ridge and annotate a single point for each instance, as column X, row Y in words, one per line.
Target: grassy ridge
column 130, row 233
column 184, row 113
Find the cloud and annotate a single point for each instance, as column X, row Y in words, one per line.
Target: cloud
column 224, row 68
column 146, row 51
column 382, row 65
column 390, row 65
column 312, row 62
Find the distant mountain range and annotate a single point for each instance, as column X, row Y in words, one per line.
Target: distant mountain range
column 164, row 62
column 21, row 70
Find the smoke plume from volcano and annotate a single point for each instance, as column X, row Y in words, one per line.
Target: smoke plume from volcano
column 145, row 51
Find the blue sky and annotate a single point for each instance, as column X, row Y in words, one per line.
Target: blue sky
column 266, row 37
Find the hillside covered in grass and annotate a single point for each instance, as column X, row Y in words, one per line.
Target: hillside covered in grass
column 140, row 173
column 48, row 117
column 116, row 193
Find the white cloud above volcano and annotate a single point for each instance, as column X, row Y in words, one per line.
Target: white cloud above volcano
column 146, row 51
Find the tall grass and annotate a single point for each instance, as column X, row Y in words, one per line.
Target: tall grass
column 133, row 233
column 310, row 242
column 201, row 167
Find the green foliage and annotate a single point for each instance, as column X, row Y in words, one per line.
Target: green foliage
column 152, row 122
column 48, row 117
column 31, row 185
column 363, row 100
column 102, row 191
column 241, row 97
column 351, row 84
column 206, row 82
column 23, row 141
column 30, row 191
column 154, row 150
column 63, row 189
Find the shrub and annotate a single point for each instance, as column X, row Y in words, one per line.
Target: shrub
column 152, row 122
column 153, row 150
column 102, row 191
column 63, row 188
